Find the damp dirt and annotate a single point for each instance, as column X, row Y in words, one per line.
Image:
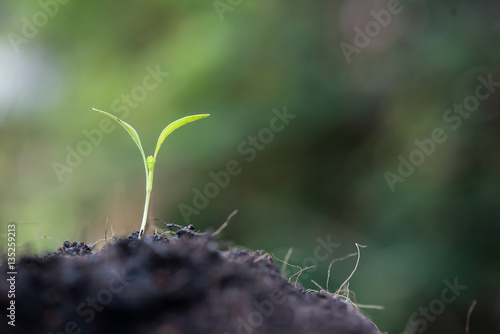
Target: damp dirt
column 158, row 285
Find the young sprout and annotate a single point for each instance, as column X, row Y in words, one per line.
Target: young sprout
column 149, row 163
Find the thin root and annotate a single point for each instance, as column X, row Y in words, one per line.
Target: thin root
column 471, row 308
column 224, row 225
column 330, row 267
column 285, row 261
column 319, row 286
column 298, row 273
column 106, row 229
column 375, row 307
column 354, row 270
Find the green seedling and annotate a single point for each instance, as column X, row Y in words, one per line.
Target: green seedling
column 149, row 163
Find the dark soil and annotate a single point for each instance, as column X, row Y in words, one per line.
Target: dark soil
column 168, row 286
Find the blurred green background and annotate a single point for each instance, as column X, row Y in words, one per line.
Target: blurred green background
column 322, row 176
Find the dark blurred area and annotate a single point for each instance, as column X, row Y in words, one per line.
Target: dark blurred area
column 370, row 122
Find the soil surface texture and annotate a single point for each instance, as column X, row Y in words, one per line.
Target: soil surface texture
column 155, row 285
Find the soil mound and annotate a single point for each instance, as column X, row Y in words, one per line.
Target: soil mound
column 157, row 285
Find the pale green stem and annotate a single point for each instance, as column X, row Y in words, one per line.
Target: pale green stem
column 145, row 216
column 149, row 187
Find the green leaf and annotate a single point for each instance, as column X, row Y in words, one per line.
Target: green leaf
column 175, row 125
column 131, row 131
